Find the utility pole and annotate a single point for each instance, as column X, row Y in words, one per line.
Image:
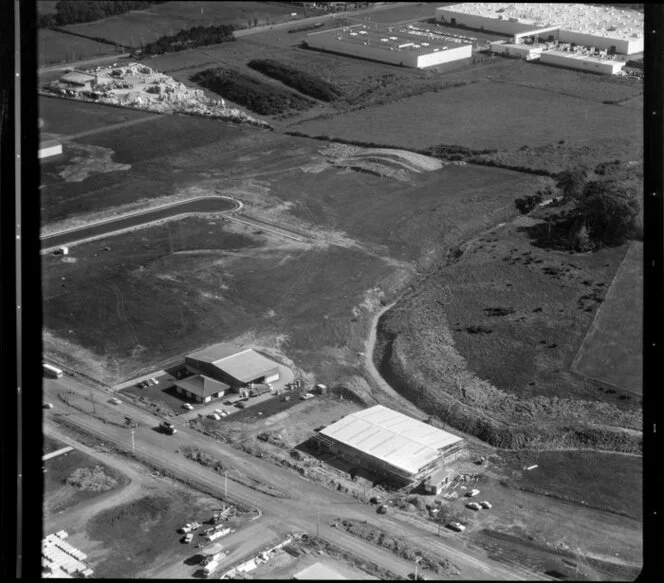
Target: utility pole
column 133, row 448
column 417, row 562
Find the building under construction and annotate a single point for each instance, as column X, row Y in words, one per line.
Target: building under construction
column 391, row 445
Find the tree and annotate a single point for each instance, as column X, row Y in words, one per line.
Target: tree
column 572, row 182
column 608, row 211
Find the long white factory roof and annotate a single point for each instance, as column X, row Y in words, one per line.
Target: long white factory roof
column 609, row 21
column 396, row 439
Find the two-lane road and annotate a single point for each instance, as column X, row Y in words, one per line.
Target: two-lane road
column 305, row 500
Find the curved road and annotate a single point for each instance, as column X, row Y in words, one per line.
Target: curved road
column 212, row 204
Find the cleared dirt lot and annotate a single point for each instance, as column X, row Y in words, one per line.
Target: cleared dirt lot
column 612, row 350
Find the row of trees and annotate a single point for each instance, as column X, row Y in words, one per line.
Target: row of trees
column 198, row 36
column 72, row 12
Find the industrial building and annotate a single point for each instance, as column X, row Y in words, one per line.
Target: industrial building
column 403, row 46
column 572, row 60
column 201, row 388
column 236, row 370
column 48, row 149
column 391, row 445
column 602, row 27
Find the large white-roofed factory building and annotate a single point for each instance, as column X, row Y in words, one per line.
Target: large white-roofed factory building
column 406, row 46
column 391, row 445
column 616, row 30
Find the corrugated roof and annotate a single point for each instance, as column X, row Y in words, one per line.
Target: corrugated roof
column 245, row 366
column 318, row 571
column 399, row 440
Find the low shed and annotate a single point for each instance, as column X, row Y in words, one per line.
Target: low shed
column 200, row 388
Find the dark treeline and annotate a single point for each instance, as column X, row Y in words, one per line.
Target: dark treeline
column 198, row 36
column 301, row 81
column 72, row 12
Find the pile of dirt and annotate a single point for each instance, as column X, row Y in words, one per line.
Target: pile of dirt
column 398, row 545
column 91, row 479
column 385, row 162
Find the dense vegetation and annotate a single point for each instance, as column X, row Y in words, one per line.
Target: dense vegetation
column 198, row 36
column 301, row 81
column 72, row 12
column 244, row 90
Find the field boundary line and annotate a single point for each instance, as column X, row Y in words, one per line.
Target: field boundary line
column 592, row 328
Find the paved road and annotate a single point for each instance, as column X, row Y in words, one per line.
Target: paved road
column 298, row 511
column 212, row 204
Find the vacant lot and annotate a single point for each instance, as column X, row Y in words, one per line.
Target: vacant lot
column 140, row 27
column 75, row 478
column 58, row 47
column 146, row 529
column 612, row 350
column 511, row 117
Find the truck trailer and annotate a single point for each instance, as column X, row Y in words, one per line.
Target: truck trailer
column 52, row 372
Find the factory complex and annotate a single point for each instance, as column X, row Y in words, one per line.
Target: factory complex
column 605, row 28
column 391, row 445
column 406, row 45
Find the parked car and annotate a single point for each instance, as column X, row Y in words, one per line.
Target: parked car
column 115, row 401
column 188, row 407
column 382, row 509
column 186, row 529
column 472, row 493
column 47, row 405
column 376, row 500
column 154, row 381
column 306, row 396
column 187, row 538
column 485, row 504
column 167, row 428
column 457, row 526
column 239, row 405
column 224, row 413
column 473, row 506
column 142, row 385
column 195, row 525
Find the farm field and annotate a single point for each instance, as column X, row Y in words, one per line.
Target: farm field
column 512, row 117
column 58, row 47
column 612, row 349
column 140, row 27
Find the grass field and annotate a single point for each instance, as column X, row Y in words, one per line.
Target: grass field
column 601, row 480
column 145, row 529
column 60, row 496
column 612, row 349
column 511, row 117
column 58, row 47
column 140, row 27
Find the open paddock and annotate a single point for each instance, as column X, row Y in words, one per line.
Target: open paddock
column 58, row 47
column 612, row 350
column 511, row 117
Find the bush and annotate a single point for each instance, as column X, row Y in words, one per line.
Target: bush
column 303, row 82
column 198, row 36
column 528, row 203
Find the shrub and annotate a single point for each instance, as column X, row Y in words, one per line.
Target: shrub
column 198, row 36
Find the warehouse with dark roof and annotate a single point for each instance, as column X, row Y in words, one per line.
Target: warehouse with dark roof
column 391, row 445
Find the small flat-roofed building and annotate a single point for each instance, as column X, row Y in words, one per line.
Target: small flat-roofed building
column 318, row 572
column 390, row 444
column 394, row 45
column 200, row 388
column 518, row 51
column 571, row 60
column 236, row 370
column 48, row 149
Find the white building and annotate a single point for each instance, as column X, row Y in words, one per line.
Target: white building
column 582, row 62
column 603, row 27
column 409, row 49
column 519, row 51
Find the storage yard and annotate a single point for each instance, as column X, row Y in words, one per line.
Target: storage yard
column 373, row 342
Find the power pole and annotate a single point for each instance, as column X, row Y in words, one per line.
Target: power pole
column 133, row 448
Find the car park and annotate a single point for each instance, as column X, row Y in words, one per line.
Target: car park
column 473, row 506
column 472, row 493
column 188, row 406
column 485, row 504
column 457, row 526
